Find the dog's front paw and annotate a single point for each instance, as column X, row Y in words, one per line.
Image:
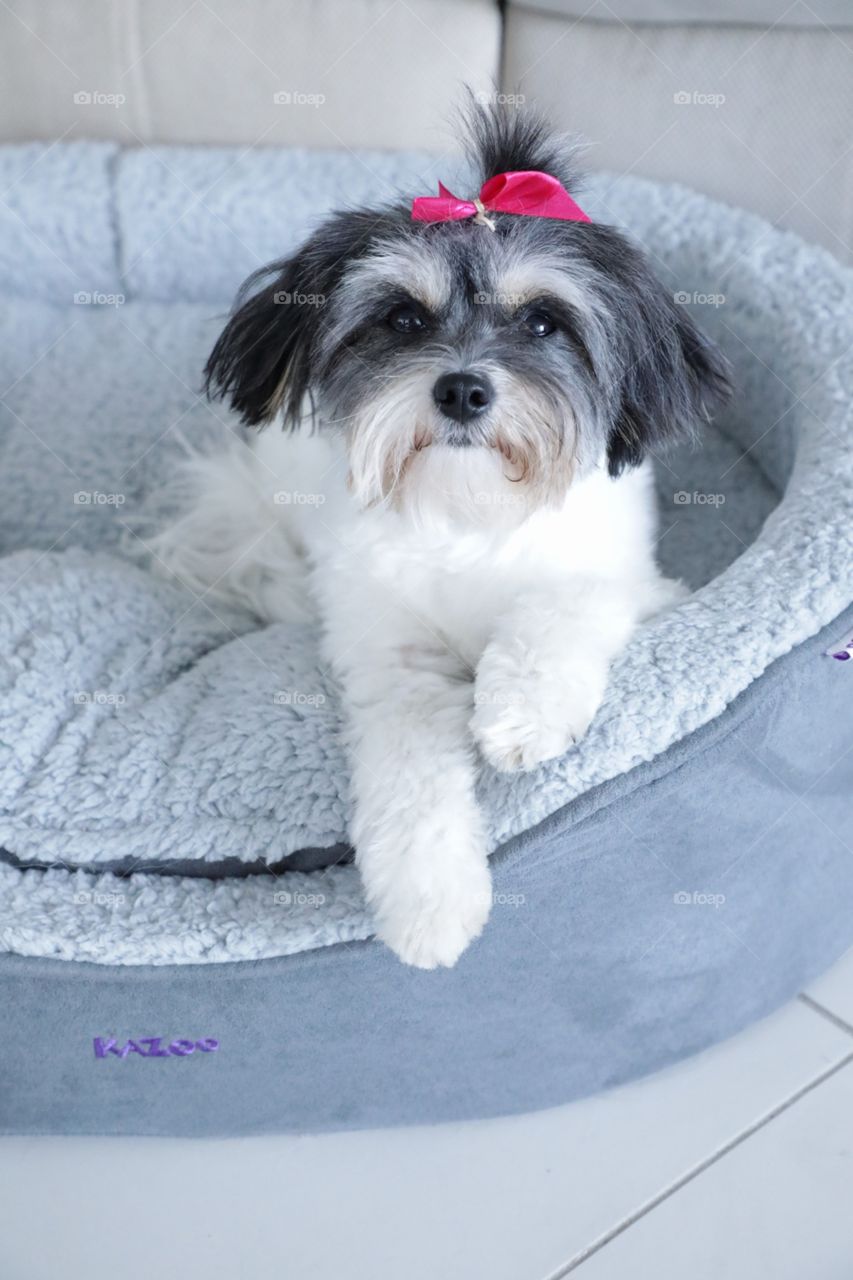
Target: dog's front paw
column 434, row 898
column 520, row 722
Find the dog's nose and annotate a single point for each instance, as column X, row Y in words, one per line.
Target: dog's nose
column 462, row 396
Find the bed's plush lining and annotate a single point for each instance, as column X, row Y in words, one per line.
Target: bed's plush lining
column 201, row 765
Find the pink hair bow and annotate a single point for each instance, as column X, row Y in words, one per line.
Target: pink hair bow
column 526, row 191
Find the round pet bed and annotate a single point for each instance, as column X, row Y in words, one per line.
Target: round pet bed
column 175, row 881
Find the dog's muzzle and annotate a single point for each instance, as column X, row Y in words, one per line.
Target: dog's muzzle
column 462, row 397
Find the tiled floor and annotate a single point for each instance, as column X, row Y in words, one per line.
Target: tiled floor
column 735, row 1165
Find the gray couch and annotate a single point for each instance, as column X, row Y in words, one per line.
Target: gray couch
column 747, row 100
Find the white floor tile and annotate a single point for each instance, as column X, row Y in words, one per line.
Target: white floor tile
column 780, row 1205
column 835, row 990
column 503, row 1200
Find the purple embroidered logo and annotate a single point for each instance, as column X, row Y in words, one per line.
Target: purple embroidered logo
column 842, row 652
column 151, row 1047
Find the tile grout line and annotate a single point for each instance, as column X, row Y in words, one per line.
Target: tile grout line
column 707, row 1163
column 822, row 1012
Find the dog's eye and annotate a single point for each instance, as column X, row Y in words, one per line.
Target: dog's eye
column 406, row 318
column 539, row 323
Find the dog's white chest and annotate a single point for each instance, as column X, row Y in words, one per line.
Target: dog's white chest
column 456, row 582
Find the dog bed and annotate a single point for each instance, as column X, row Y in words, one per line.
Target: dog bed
column 175, row 880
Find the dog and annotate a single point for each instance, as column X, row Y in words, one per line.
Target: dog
column 471, row 392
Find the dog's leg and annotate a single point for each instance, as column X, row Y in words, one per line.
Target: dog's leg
column 417, row 831
column 542, row 676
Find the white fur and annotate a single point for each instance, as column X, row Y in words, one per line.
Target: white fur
column 454, row 626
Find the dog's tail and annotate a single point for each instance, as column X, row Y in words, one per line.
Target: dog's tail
column 228, row 540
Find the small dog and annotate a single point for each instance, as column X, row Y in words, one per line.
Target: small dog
column 463, row 496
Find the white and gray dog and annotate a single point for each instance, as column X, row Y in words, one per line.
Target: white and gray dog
column 462, row 496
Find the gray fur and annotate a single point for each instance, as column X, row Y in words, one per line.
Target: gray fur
column 624, row 372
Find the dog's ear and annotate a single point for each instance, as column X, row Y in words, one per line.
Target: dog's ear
column 670, row 376
column 262, row 362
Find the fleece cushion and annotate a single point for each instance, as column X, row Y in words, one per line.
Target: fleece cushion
column 146, row 731
column 656, row 914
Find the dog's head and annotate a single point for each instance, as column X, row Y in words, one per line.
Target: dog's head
column 474, row 369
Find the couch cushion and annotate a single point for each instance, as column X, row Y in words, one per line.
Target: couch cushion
column 759, row 13
column 153, row 71
column 755, row 119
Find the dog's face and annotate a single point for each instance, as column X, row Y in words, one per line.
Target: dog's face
column 470, row 370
